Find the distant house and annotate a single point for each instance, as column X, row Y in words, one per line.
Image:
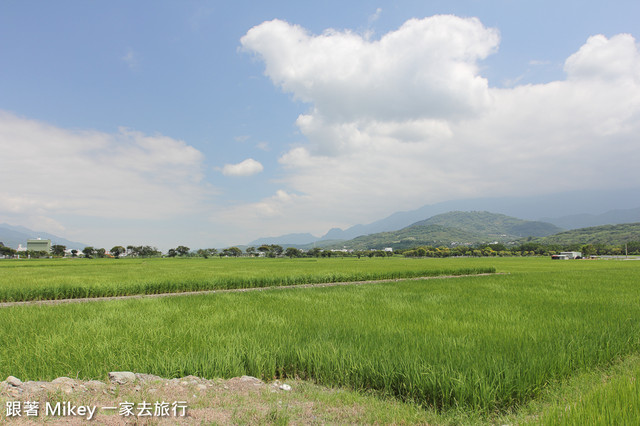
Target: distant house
column 39, row 245
column 565, row 255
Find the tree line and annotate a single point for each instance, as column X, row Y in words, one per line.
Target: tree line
column 524, row 249
column 275, row 250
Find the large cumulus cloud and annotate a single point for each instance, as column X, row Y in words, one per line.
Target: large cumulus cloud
column 408, row 119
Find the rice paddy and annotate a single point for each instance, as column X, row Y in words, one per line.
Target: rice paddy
column 486, row 344
column 81, row 278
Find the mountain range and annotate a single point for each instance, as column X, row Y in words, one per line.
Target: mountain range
column 567, row 210
column 13, row 236
column 453, row 228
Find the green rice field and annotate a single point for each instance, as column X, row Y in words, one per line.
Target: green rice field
column 484, row 344
column 80, row 278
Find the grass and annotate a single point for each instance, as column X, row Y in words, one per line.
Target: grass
column 23, row 280
column 486, row 345
column 611, row 396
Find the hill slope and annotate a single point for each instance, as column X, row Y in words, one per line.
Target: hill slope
column 453, row 228
column 604, row 234
column 492, row 224
column 559, row 205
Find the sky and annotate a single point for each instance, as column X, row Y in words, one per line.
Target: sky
column 211, row 123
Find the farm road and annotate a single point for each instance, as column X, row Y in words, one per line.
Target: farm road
column 232, row 290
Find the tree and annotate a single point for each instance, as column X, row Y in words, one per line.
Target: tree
column 250, row 250
column 232, row 251
column 314, row 252
column 74, row 253
column 117, row 251
column 142, row 251
column 182, row 250
column 292, row 252
column 58, row 250
column 588, row 250
column 6, row 251
column 101, row 253
column 206, row 253
column 88, row 252
column 276, row 249
column 172, row 253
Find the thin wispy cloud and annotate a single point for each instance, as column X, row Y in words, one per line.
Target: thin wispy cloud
column 131, row 59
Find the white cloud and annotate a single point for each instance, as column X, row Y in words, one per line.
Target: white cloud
column 56, row 172
column 408, row 119
column 606, row 59
column 247, row 167
column 375, row 16
column 131, row 58
column 425, row 68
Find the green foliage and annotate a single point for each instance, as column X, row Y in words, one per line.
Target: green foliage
column 58, row 250
column 117, row 251
column 143, row 251
column 182, row 250
column 292, row 252
column 206, row 253
column 88, row 252
column 271, row 250
column 231, row 252
column 6, row 251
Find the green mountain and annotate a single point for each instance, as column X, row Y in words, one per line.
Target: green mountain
column 453, row 228
column 604, row 234
column 493, row 225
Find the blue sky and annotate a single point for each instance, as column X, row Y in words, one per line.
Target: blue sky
column 211, row 123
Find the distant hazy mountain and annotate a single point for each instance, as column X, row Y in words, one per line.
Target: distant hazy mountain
column 288, row 239
column 453, row 227
column 12, row 236
column 612, row 217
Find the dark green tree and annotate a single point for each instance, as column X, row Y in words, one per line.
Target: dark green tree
column 292, row 252
column 182, row 250
column 7, row 251
column 117, row 251
column 58, row 250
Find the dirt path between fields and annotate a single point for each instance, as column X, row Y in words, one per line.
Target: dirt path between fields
column 234, row 290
